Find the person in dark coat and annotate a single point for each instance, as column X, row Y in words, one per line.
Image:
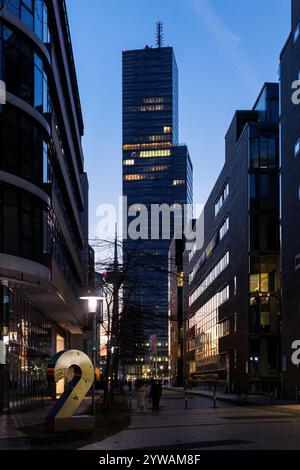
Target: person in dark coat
column 155, row 394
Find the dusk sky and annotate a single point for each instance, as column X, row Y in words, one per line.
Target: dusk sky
column 225, row 51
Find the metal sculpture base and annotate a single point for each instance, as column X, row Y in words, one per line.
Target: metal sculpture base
column 75, row 423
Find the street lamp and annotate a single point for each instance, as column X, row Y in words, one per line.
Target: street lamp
column 92, row 308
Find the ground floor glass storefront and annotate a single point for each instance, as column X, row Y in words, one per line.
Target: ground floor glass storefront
column 25, row 350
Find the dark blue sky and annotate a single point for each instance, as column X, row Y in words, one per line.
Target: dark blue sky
column 225, row 50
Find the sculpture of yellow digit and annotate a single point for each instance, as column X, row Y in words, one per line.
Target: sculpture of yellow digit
column 77, row 388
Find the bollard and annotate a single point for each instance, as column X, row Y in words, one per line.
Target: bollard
column 186, row 400
column 214, row 396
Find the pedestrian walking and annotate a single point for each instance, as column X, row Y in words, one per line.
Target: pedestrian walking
column 129, row 385
column 155, row 394
column 142, row 392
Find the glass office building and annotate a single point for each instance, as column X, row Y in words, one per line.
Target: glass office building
column 156, row 170
column 43, row 199
column 232, row 330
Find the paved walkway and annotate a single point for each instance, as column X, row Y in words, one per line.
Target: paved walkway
column 10, row 424
column 10, row 436
column 201, row 427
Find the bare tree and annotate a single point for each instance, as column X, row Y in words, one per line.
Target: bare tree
column 124, row 272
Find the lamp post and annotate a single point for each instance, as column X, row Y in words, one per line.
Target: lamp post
column 92, row 309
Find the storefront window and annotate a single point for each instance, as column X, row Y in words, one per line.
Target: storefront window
column 28, row 352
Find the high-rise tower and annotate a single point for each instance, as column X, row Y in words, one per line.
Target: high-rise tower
column 156, row 170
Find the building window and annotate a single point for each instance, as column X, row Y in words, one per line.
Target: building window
column 29, row 351
column 207, row 329
column 134, row 177
column 21, row 147
column 208, row 280
column 222, row 198
column 158, row 99
column 235, row 322
column 155, row 153
column 178, row 182
column 263, row 274
column 129, row 162
column 224, row 328
column 224, row 228
column 296, row 32
column 24, row 71
column 263, row 150
column 235, row 358
column 234, row 285
column 297, row 262
column 33, row 13
column 297, row 147
column 180, row 279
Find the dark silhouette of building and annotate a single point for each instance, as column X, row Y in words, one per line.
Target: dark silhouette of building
column 232, row 300
column 176, row 318
column 156, row 170
column 290, row 200
column 44, row 252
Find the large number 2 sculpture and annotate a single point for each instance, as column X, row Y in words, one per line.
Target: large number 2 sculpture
column 77, row 388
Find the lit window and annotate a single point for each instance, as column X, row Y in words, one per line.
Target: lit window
column 129, row 162
column 167, row 130
column 131, row 146
column 133, row 177
column 150, row 145
column 157, row 107
column 209, row 279
column 254, row 283
column 180, row 279
column 157, row 138
column 155, row 153
column 155, row 168
column 297, row 148
column 178, row 182
column 158, row 99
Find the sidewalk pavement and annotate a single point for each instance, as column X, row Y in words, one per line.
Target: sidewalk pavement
column 10, row 423
column 10, row 436
column 258, row 400
column 200, row 426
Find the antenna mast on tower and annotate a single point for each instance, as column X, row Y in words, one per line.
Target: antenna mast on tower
column 159, row 34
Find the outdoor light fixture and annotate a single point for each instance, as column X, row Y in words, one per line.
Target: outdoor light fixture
column 92, row 308
column 92, row 302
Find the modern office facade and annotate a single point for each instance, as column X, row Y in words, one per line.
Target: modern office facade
column 290, row 200
column 44, row 252
column 156, row 170
column 232, row 292
column 176, row 317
